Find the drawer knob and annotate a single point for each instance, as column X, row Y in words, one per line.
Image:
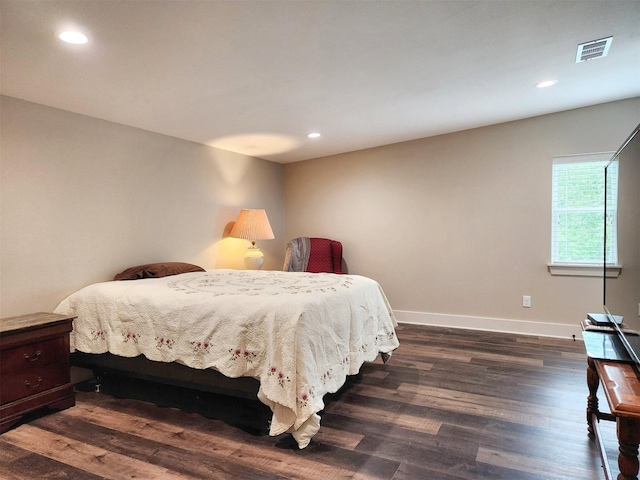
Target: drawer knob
column 27, row 357
column 27, row 383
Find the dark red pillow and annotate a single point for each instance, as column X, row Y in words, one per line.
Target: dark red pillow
column 157, row 270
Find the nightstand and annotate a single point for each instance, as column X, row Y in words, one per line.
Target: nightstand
column 34, row 365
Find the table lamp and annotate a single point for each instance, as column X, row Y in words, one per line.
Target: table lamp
column 252, row 224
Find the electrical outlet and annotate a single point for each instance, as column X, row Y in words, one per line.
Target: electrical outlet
column 526, row 301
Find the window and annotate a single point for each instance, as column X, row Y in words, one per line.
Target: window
column 577, row 229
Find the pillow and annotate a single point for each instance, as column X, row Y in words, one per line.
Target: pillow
column 157, row 270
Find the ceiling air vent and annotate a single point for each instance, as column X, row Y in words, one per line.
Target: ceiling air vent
column 593, row 49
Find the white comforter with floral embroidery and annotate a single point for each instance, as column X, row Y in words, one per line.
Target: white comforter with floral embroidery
column 300, row 334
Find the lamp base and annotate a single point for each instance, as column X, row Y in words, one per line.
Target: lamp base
column 253, row 258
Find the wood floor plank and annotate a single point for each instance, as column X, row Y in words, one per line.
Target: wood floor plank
column 526, row 463
column 338, row 438
column 453, row 465
column 413, row 364
column 250, row 455
column 538, row 443
column 441, row 399
column 431, row 352
column 10, row 453
column 496, row 405
column 184, row 462
column 86, row 457
column 40, row 467
column 22, row 464
column 409, row 422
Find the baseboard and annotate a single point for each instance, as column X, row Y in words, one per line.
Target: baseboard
column 522, row 327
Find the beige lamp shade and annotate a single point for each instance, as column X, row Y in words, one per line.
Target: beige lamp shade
column 253, row 224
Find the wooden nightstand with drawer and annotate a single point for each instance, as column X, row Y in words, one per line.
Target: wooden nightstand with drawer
column 34, row 365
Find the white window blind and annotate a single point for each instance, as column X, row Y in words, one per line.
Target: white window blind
column 578, row 192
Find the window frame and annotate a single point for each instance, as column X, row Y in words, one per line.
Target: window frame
column 577, row 267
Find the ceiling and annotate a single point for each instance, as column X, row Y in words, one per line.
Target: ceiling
column 256, row 77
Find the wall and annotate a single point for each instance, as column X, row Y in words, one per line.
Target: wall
column 456, row 228
column 81, row 199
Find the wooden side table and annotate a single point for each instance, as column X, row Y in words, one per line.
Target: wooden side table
column 34, row 365
column 621, row 385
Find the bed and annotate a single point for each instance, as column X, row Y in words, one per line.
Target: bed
column 299, row 335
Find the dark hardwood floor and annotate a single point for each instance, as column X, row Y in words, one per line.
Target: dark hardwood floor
column 450, row 404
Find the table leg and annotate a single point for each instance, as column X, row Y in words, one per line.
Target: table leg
column 628, row 430
column 593, row 380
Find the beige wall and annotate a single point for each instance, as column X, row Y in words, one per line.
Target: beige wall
column 456, row 228
column 81, row 199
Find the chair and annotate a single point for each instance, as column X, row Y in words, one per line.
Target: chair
column 314, row 255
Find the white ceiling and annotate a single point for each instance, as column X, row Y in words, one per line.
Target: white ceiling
column 256, row 76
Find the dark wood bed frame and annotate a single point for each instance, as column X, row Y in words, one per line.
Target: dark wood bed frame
column 140, row 367
column 207, row 391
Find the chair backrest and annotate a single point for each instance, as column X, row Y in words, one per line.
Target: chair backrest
column 325, row 255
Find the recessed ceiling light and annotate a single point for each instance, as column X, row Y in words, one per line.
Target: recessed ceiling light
column 313, row 135
column 546, row 83
column 76, row 38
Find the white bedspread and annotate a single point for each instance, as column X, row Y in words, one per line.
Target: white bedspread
column 300, row 334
